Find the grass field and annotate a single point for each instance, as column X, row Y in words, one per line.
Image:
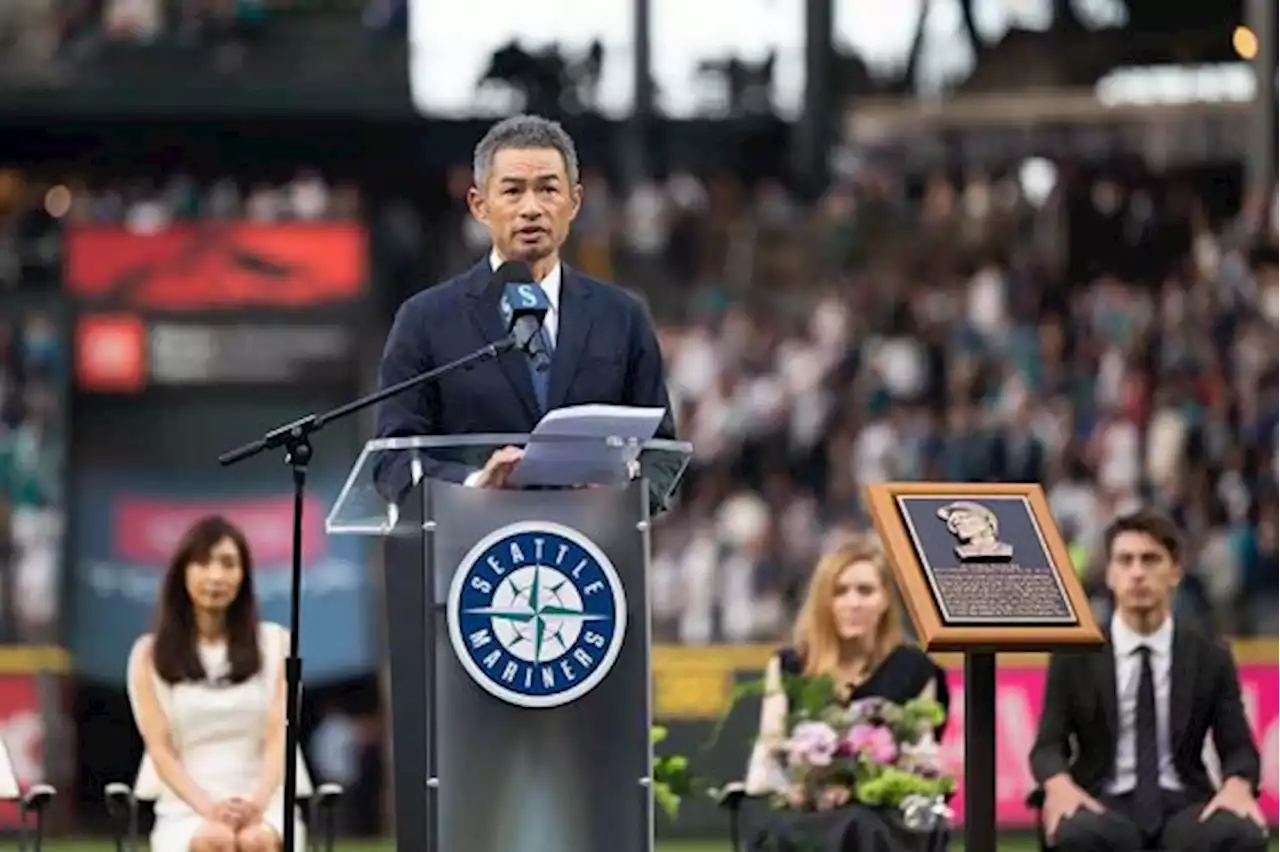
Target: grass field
column 105, row 845
column 1013, row 844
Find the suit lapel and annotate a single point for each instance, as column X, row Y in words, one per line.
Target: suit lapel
column 571, row 336
column 1107, row 684
column 1182, row 673
column 486, row 314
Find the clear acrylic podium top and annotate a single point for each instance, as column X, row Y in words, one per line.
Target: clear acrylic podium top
column 388, row 468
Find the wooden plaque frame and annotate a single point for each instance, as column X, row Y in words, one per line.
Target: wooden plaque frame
column 933, row 631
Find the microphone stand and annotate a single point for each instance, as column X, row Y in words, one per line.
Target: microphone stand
column 295, row 439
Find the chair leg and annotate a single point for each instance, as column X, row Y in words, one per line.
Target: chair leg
column 324, row 820
column 27, row 836
column 119, row 829
column 38, row 846
column 133, row 825
column 122, row 808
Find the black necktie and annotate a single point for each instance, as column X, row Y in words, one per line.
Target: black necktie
column 1148, row 812
column 541, row 378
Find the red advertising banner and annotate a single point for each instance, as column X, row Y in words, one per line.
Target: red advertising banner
column 22, row 732
column 1019, row 698
column 216, row 266
column 148, row 530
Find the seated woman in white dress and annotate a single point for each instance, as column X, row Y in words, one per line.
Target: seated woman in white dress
column 208, row 693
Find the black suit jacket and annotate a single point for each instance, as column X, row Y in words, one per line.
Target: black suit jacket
column 606, row 352
column 1079, row 729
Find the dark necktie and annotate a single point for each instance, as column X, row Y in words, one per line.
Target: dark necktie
column 541, row 378
column 1148, row 812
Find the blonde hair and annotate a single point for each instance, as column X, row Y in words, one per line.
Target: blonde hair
column 816, row 638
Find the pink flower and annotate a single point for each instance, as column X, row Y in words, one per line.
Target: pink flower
column 874, row 742
column 812, row 744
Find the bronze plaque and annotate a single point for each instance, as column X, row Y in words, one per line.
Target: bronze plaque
column 981, row 566
column 985, row 560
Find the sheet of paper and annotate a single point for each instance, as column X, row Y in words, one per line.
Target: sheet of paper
column 594, row 460
column 601, row 421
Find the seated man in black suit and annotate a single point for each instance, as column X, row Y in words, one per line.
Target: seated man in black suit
column 603, row 347
column 1137, row 713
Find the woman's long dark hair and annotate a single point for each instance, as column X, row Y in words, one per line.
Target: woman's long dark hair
column 174, row 650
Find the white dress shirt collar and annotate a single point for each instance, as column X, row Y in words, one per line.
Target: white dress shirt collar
column 550, row 284
column 1126, row 640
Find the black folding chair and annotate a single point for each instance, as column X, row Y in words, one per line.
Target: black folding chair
column 33, row 803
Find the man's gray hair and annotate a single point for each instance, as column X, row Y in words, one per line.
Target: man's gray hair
column 524, row 131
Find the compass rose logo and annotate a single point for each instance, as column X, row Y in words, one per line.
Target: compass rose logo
column 537, row 614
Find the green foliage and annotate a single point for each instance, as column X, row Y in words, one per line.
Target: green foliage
column 890, row 786
column 672, row 778
column 809, row 697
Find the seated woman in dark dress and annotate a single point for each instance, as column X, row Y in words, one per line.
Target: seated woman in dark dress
column 850, row 627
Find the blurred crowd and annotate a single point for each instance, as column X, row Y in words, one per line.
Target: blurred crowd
column 33, row 385
column 38, row 38
column 33, row 446
column 1115, row 343
column 30, row 240
column 1113, row 338
column 148, row 206
column 34, row 211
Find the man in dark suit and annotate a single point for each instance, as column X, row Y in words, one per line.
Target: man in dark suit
column 1119, row 753
column 603, row 346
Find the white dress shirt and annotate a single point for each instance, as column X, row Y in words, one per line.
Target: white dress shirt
column 1124, row 644
column 551, row 286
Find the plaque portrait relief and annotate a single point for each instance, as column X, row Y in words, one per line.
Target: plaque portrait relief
column 986, row 560
column 977, row 528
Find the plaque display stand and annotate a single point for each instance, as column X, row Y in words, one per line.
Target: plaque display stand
column 982, row 569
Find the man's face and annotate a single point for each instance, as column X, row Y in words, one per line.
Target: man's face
column 527, row 203
column 1141, row 573
column 973, row 528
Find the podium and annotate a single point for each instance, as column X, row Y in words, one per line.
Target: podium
column 517, row 631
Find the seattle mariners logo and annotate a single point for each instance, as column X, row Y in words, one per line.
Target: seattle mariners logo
column 537, row 614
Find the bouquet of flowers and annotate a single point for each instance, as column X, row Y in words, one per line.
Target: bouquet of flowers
column 872, row 751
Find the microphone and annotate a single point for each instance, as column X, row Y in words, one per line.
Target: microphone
column 525, row 306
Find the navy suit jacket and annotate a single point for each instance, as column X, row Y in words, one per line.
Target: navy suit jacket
column 605, row 352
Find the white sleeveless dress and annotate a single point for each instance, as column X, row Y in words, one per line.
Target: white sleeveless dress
column 219, row 732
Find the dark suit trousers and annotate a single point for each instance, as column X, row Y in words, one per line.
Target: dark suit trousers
column 1114, row 831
